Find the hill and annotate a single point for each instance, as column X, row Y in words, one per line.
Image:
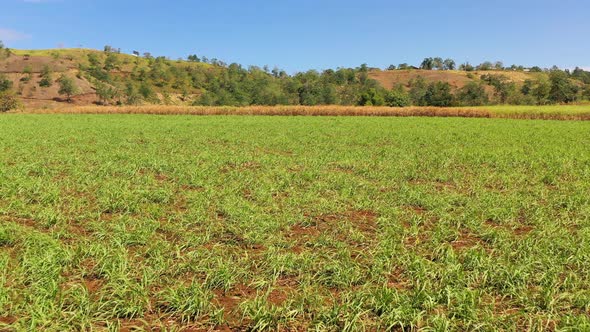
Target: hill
column 458, row 79
column 24, row 69
column 108, row 77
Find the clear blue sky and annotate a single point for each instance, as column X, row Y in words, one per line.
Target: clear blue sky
column 312, row 34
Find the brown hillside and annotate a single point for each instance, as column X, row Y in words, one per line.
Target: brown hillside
column 457, row 79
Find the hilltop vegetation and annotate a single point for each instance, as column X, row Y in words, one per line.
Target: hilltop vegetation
column 109, row 77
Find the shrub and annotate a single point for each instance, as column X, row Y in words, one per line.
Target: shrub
column 5, row 83
column 397, row 97
column 472, row 94
column 46, row 78
column 8, row 101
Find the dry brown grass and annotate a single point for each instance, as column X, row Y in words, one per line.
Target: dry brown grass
column 475, row 112
column 271, row 110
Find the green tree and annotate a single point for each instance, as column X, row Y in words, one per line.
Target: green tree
column 111, row 62
column 28, row 73
column 427, row 64
column 67, row 87
column 5, row 83
column 193, row 58
column 439, row 94
column 398, row 97
column 541, row 90
column 46, row 77
column 8, row 101
column 473, row 94
column 466, row 67
column 418, row 88
column 487, row 65
column 449, row 64
column 105, row 93
column 563, row 90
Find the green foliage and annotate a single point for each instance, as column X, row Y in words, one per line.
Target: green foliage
column 563, row 90
column 174, row 223
column 46, row 77
column 449, row 64
column 427, row 64
column 106, row 93
column 466, row 67
column 398, row 97
column 111, row 62
column 67, row 87
column 5, row 83
column 418, row 88
column 371, row 97
column 8, row 101
column 472, row 94
column 193, row 58
column 438, row 94
column 503, row 86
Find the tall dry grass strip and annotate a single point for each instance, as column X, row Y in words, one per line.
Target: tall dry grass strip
column 316, row 111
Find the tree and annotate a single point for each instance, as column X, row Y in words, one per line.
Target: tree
column 371, row 97
column 1, row 45
column 466, row 67
column 499, row 65
column 67, row 87
column 105, row 93
column 427, row 64
column 193, row 58
column 397, row 97
column 8, row 101
column 487, row 65
column 562, row 89
column 449, row 64
column 403, row 66
column 473, row 94
column 391, row 67
column 5, row 83
column 418, row 89
column 541, row 90
column 503, row 87
column 46, row 77
column 438, row 63
column 439, row 94
column 111, row 62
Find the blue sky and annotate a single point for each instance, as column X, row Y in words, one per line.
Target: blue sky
column 298, row 35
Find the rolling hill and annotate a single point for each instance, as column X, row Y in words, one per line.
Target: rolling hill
column 168, row 79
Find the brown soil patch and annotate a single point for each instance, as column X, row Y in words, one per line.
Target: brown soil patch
column 93, row 284
column 466, row 240
column 520, row 230
column 230, row 301
column 279, row 295
column 396, row 280
column 417, row 209
column 363, row 220
column 523, row 230
column 8, row 320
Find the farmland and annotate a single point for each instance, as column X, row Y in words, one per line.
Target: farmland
column 125, row 221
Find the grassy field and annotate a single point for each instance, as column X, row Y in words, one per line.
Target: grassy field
column 321, row 223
